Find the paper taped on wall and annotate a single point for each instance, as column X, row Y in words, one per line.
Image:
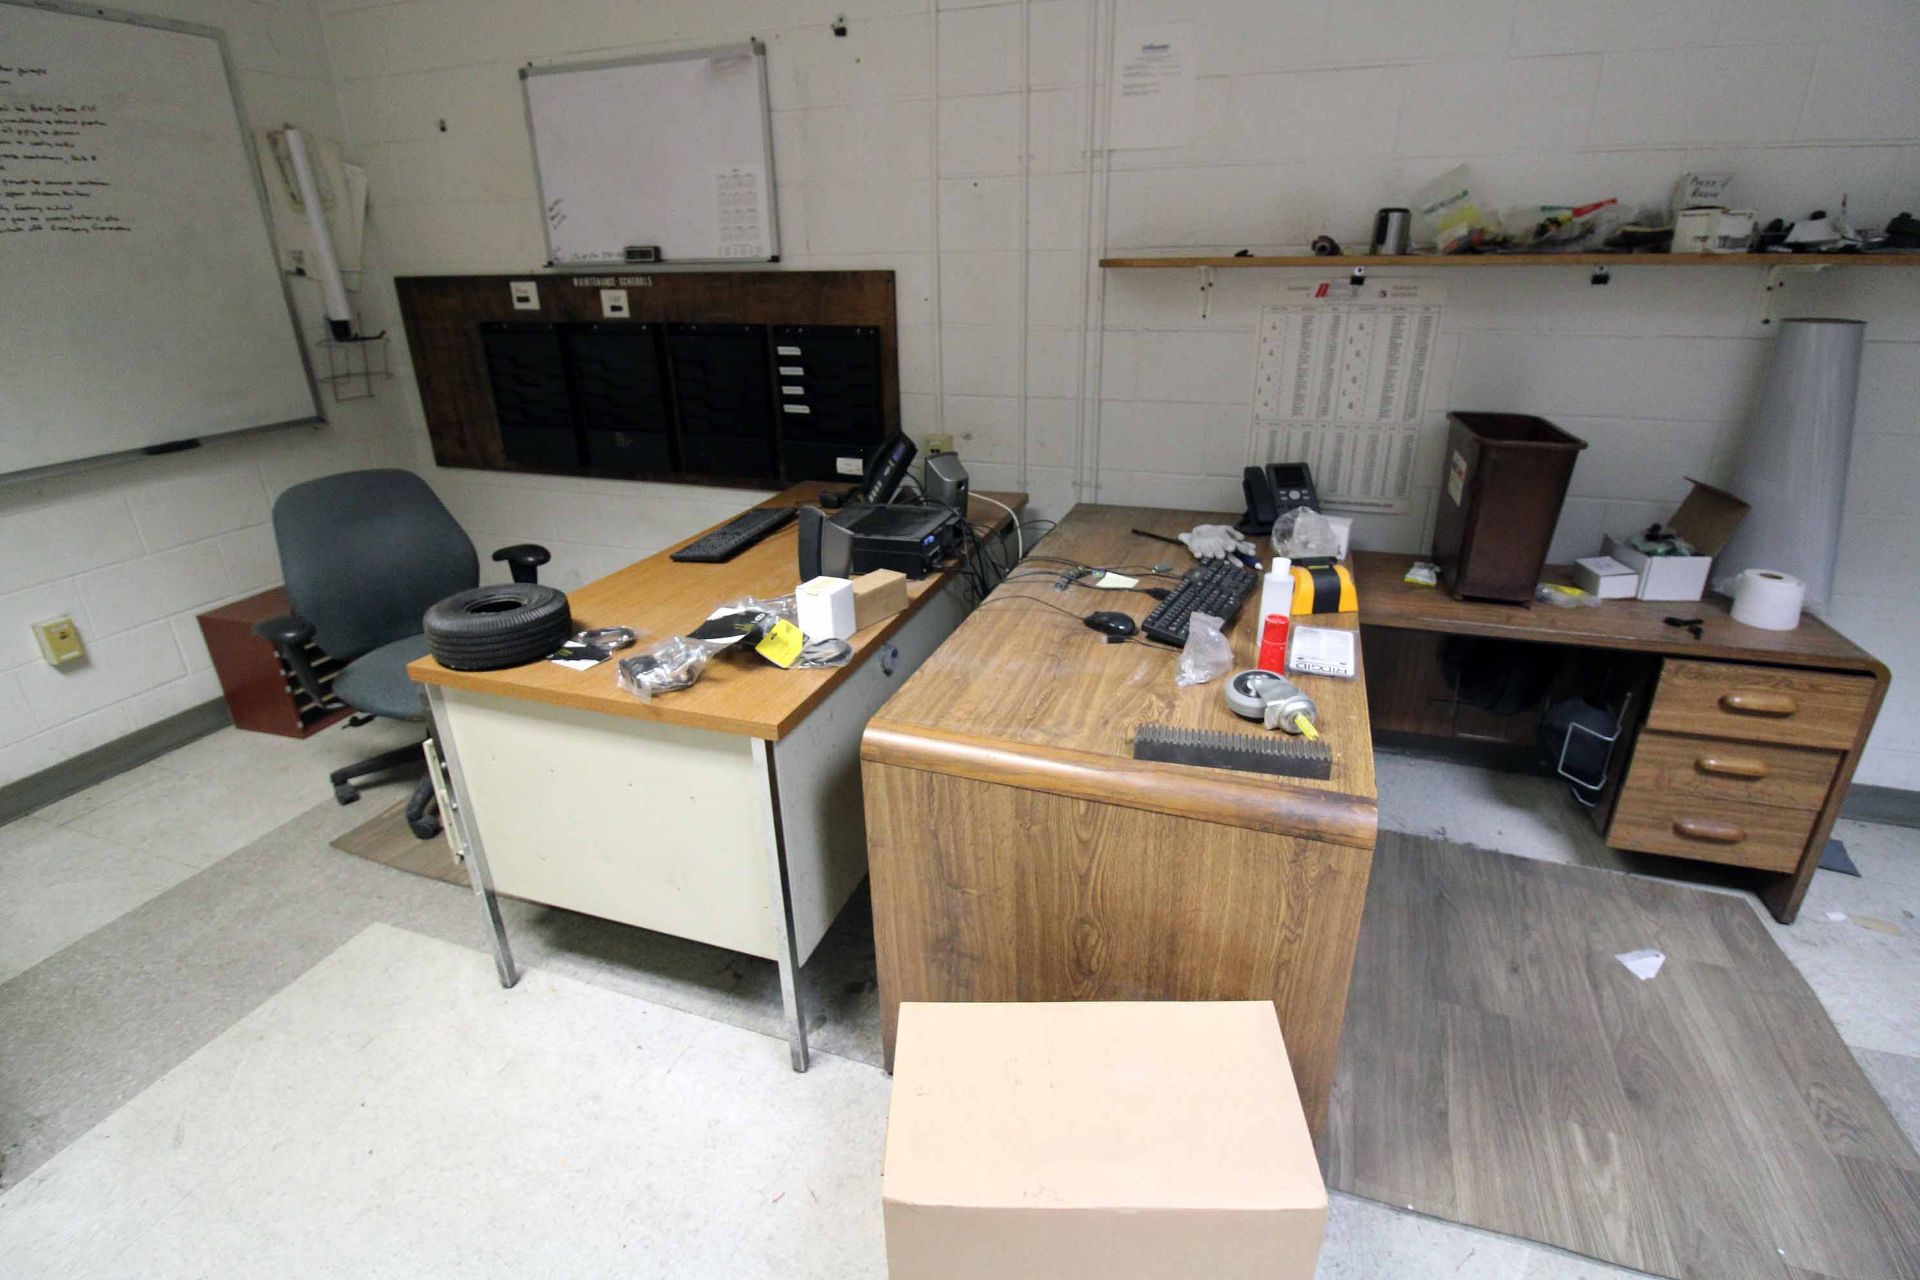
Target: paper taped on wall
column 1340, row 383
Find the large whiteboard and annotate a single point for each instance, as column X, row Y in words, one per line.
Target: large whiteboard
column 668, row 150
column 140, row 300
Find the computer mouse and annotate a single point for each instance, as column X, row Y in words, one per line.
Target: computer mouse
column 1113, row 624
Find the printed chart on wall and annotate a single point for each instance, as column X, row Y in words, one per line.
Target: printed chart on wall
column 1339, row 384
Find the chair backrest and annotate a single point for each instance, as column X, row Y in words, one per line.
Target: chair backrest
column 365, row 552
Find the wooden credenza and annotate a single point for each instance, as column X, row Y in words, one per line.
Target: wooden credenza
column 1739, row 745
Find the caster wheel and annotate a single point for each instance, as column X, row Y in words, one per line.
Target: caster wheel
column 346, row 793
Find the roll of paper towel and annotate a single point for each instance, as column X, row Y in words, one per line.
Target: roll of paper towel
column 1767, row 599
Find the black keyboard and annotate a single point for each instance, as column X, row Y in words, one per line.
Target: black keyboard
column 735, row 536
column 1214, row 587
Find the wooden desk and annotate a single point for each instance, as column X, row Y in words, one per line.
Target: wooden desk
column 1738, row 749
column 728, row 812
column 1019, row 852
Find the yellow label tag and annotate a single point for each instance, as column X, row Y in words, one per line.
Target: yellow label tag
column 782, row 644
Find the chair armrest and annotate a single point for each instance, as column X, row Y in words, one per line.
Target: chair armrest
column 524, row 559
column 289, row 636
column 284, row 631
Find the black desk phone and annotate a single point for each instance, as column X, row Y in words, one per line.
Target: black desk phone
column 1272, row 491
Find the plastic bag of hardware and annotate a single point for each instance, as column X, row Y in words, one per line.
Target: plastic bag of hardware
column 1449, row 218
column 1546, row 228
column 674, row 663
column 824, row 653
column 782, row 607
column 1563, row 596
column 1304, row 534
column 1207, row 656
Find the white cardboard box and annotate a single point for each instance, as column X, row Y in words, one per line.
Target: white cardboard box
column 824, row 608
column 1126, row 1140
column 1605, row 577
column 1707, row 519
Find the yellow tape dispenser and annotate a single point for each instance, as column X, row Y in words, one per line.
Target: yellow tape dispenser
column 1323, row 586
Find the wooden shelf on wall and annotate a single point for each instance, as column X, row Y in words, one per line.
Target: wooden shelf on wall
column 1349, row 261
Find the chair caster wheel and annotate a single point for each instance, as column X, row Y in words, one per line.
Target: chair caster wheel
column 425, row 827
column 346, row 793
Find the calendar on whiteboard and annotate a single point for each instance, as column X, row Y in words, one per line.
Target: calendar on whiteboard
column 1340, row 384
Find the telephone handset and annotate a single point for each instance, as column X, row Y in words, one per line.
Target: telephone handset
column 1272, row 491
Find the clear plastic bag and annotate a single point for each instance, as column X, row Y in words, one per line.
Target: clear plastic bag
column 1207, row 656
column 1305, row 534
column 674, row 663
column 1564, row 597
column 1449, row 217
column 779, row 606
column 824, row 653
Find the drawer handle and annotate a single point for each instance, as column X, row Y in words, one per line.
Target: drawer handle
column 1732, row 766
column 1758, row 703
column 1709, row 830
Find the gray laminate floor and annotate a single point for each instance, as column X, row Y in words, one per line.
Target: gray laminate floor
column 159, row 931
column 1502, row 1068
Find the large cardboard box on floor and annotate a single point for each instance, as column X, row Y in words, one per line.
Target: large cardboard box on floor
column 1128, row 1141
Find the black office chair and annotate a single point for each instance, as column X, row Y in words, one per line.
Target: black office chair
column 364, row 553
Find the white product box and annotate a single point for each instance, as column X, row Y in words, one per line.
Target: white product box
column 1605, row 577
column 1707, row 519
column 825, row 608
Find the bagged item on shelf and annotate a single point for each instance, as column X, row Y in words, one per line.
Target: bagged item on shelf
column 1447, row 216
column 1542, row 228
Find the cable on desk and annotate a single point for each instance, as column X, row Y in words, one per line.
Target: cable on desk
column 1020, row 542
column 1067, row 580
column 1077, row 617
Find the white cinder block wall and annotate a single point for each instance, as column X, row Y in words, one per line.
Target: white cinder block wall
column 949, row 142
column 134, row 549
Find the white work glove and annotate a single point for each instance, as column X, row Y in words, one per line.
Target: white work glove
column 1215, row 541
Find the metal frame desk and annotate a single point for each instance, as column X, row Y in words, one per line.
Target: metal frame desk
column 728, row 813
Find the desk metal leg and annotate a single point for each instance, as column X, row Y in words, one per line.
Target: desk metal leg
column 788, row 955
column 460, row 821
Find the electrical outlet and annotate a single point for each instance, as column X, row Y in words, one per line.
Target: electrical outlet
column 940, row 442
column 60, row 642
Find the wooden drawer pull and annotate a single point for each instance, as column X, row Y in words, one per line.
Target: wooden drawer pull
column 1713, row 832
column 1758, row 702
column 1732, row 766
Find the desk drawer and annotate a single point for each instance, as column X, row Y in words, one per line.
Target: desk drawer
column 1745, row 835
column 1760, row 704
column 1671, row 770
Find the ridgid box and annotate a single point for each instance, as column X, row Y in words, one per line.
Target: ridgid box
column 1129, row 1141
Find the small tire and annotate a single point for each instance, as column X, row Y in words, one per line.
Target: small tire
column 503, row 625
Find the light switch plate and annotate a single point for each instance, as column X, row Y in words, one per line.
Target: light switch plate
column 526, row 295
column 60, row 642
column 613, row 304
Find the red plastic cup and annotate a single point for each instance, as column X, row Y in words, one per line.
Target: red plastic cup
column 1273, row 643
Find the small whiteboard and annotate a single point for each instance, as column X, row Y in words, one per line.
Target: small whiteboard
column 670, row 150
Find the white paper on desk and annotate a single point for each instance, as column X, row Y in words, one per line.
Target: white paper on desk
column 1153, row 69
column 1642, row 964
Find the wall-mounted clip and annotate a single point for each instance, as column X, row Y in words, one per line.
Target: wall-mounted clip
column 1358, row 278
column 1601, row 275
